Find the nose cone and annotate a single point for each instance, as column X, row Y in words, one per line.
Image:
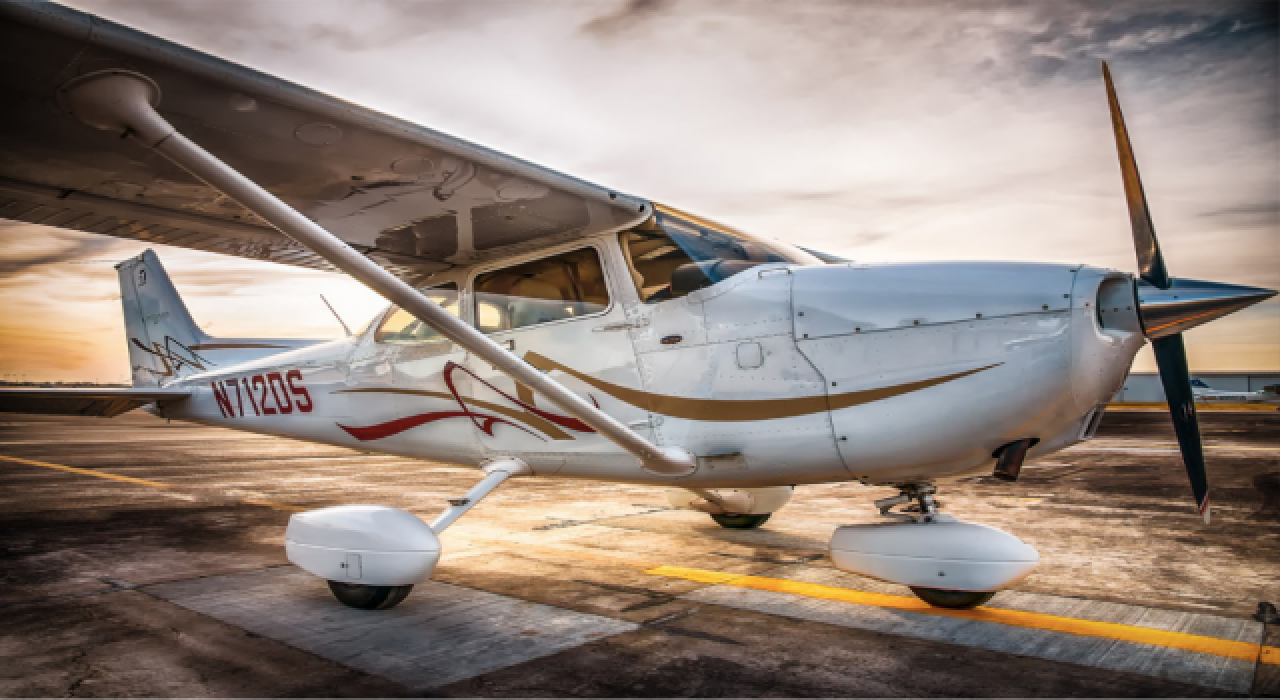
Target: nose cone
column 1189, row 303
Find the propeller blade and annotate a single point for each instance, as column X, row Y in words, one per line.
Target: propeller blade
column 1175, row 375
column 1150, row 261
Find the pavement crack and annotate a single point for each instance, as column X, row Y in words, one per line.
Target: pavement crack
column 805, row 559
column 664, row 624
column 589, row 521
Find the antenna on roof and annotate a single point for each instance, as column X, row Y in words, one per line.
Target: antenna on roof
column 335, row 315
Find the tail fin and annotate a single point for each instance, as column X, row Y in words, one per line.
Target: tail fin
column 164, row 341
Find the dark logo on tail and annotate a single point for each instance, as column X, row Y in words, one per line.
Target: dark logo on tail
column 173, row 356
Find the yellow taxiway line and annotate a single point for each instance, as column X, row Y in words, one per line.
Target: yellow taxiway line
column 1244, row 651
column 1105, row 444
column 141, row 482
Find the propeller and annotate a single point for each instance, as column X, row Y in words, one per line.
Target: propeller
column 1174, row 305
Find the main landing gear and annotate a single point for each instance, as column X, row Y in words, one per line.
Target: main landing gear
column 371, row 556
column 369, row 597
column 945, row 562
column 733, row 509
column 737, row 521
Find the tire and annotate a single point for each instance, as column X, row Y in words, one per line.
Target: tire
column 954, row 600
column 740, row 522
column 369, row 597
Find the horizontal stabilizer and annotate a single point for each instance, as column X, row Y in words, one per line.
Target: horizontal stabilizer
column 89, row 401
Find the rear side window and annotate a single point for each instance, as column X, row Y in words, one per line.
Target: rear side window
column 402, row 328
column 569, row 285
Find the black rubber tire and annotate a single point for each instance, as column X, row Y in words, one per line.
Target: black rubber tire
column 954, row 600
column 734, row 521
column 369, row 597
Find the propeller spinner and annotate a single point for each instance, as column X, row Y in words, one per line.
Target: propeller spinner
column 1168, row 306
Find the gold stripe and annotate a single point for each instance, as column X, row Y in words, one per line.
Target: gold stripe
column 1243, row 651
column 743, row 410
column 1181, row 320
column 237, row 346
column 543, row 425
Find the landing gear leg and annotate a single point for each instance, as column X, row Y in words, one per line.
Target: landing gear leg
column 925, row 510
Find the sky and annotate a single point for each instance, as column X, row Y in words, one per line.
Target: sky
column 877, row 131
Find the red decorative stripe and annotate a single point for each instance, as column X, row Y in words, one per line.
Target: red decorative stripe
column 562, row 421
column 399, row 425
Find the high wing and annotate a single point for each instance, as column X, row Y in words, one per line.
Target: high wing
column 412, row 199
column 102, row 402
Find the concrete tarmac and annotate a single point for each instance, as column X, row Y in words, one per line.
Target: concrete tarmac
column 141, row 557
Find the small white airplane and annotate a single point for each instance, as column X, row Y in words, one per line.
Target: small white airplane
column 1203, row 392
column 542, row 325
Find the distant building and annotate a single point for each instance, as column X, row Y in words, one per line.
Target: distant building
column 1145, row 386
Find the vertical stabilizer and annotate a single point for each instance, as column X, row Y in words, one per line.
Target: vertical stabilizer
column 164, row 341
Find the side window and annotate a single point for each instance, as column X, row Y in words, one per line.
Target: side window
column 402, row 328
column 568, row 285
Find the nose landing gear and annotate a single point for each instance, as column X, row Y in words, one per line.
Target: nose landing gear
column 945, row 562
column 925, row 510
column 955, row 600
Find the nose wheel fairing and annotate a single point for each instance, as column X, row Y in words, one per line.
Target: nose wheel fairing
column 944, row 554
column 946, row 562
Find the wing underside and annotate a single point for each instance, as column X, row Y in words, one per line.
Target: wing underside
column 415, row 200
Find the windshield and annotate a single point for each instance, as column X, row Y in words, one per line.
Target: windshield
column 675, row 253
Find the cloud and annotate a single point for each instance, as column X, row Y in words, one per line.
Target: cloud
column 1264, row 215
column 31, row 248
column 889, row 131
column 630, row 16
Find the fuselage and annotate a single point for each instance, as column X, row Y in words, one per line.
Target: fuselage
column 779, row 374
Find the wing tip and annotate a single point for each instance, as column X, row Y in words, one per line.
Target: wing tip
column 1205, row 510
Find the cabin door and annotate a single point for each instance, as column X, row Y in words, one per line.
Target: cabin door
column 559, row 313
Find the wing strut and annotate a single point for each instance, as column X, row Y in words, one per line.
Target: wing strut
column 124, row 103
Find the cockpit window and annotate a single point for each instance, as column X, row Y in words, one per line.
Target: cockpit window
column 676, row 254
column 400, row 327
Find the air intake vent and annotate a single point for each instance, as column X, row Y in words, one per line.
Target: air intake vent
column 1115, row 305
